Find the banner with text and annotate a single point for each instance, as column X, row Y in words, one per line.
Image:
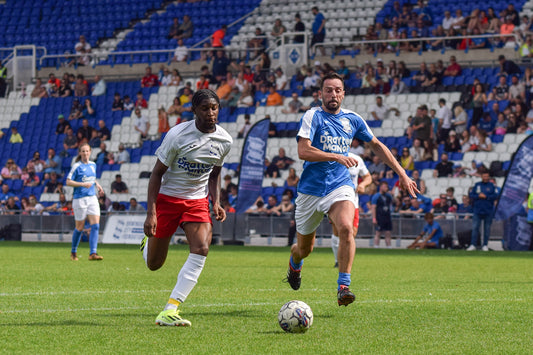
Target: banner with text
column 124, row 229
column 252, row 165
column 514, row 194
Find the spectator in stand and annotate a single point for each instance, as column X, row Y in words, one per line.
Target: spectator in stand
column 36, row 164
column 526, row 49
column 447, row 21
column 458, row 20
column 81, row 88
column 422, row 74
column 103, row 157
column 381, row 214
column 482, row 195
column 88, row 109
column 29, row 179
column 310, row 84
column 220, row 65
column 299, row 26
column 11, row 207
column 62, row 125
column 433, row 233
column 281, row 161
column 181, row 52
column 261, row 95
column 174, row 30
column 99, row 87
column 432, row 78
column 149, row 79
column 141, row 102
column 406, row 160
column 281, row 80
column 70, row 141
column 292, row 178
column 286, row 206
column 444, row 168
column 246, row 127
column 176, row 78
column 398, row 87
column 319, row 29
column 246, row 99
column 64, row 89
column 452, row 144
column 508, row 67
column 257, row 44
column 478, row 102
column 460, row 120
column 165, row 77
column 142, row 124
column 101, row 134
column 52, row 163
column 162, row 118
column 485, row 144
column 507, row 28
column 15, row 136
column 430, row 153
column 39, row 91
column 83, row 48
column 342, row 70
column 444, row 114
column 52, row 80
column 517, row 93
column 217, row 37
column 501, row 125
column 118, row 186
column 382, row 86
column 417, row 150
column 52, row 184
column 274, row 98
column 377, row 166
column 135, row 206
column 379, row 111
column 186, row 28
column 84, row 133
column 486, row 124
column 224, row 92
column 422, row 124
column 202, row 83
column 420, row 183
column 118, row 103
column 278, row 30
column 11, row 170
column 128, row 104
column 454, row 69
column 123, row 155
column 315, row 103
column 294, row 106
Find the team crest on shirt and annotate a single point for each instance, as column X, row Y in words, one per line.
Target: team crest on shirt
column 346, row 127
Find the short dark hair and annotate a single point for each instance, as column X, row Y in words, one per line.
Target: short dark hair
column 203, row 94
column 329, row 76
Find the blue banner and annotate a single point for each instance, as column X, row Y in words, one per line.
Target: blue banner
column 514, row 194
column 252, row 165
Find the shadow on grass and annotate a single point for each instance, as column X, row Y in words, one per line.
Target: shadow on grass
column 234, row 313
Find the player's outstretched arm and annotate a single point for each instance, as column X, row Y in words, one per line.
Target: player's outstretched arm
column 153, row 190
column 214, row 193
column 309, row 153
column 386, row 156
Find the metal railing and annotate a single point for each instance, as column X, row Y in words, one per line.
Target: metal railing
column 243, row 226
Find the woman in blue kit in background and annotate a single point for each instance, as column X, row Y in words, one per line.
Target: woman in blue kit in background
column 85, row 205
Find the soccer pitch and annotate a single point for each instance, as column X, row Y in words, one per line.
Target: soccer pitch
column 407, row 302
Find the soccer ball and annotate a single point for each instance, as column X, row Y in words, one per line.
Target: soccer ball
column 295, row 317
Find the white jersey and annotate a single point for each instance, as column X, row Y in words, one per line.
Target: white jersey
column 190, row 156
column 355, row 171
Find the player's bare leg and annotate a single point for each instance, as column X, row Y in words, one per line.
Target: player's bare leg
column 157, row 252
column 342, row 215
column 303, row 247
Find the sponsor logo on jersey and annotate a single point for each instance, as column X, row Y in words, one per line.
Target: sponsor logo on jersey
column 334, row 144
column 194, row 169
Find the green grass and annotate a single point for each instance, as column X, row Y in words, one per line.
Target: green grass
column 407, row 302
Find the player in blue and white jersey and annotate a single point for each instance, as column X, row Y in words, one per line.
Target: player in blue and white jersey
column 85, row 205
column 325, row 185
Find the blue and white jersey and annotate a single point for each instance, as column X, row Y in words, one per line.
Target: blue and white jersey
column 332, row 134
column 81, row 172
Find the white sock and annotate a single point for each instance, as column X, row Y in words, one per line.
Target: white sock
column 335, row 245
column 187, row 277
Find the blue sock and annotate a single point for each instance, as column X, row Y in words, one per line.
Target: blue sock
column 344, row 279
column 93, row 237
column 296, row 267
column 76, row 236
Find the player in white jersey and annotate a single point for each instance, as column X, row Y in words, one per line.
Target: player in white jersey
column 325, row 186
column 355, row 171
column 85, row 205
column 186, row 174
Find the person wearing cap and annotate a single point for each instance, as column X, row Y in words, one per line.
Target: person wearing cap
column 62, row 124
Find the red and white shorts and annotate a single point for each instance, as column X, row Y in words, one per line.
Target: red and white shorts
column 172, row 212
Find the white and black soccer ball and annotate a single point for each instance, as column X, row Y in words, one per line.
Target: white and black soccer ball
column 295, row 317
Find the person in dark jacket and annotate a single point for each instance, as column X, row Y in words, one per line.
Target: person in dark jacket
column 482, row 195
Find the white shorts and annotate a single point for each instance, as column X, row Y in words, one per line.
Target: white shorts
column 85, row 206
column 310, row 210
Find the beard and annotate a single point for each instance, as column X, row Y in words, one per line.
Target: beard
column 332, row 105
